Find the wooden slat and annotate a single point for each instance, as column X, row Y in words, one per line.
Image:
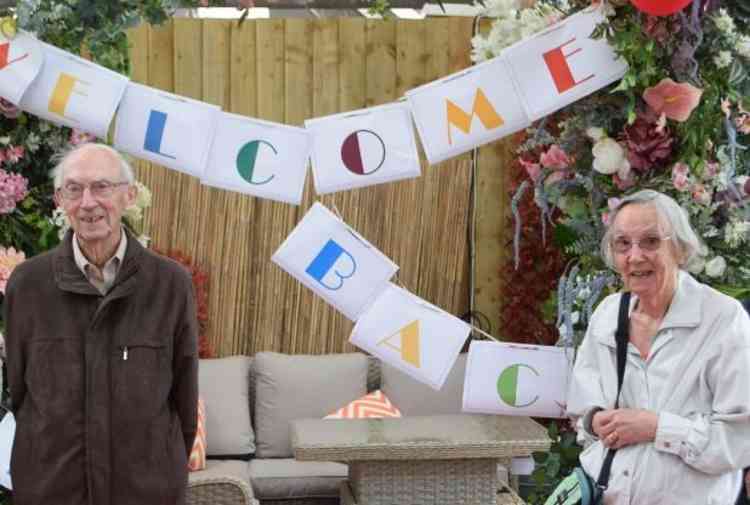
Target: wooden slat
column 288, row 70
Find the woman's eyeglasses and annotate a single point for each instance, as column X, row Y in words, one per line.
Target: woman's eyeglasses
column 649, row 243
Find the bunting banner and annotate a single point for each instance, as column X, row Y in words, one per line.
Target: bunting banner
column 259, row 158
column 167, row 129
column 363, row 148
column 563, row 64
column 411, row 334
column 457, row 113
column 74, row 92
column 516, row 379
column 21, row 60
column 331, row 259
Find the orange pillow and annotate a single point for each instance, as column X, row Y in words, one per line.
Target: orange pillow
column 197, row 459
column 375, row 404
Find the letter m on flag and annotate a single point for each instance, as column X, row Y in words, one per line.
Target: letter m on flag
column 482, row 108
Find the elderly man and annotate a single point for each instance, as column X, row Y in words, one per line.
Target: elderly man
column 101, row 338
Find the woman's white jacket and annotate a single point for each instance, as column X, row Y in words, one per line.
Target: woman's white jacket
column 696, row 378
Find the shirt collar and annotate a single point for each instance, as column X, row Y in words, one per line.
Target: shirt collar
column 83, row 262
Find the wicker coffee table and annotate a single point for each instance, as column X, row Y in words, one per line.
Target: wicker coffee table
column 434, row 460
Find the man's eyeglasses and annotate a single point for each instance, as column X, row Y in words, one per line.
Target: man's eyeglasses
column 649, row 243
column 99, row 189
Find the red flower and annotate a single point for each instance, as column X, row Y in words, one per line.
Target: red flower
column 673, row 99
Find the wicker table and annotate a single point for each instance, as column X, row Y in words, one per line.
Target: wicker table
column 435, row 460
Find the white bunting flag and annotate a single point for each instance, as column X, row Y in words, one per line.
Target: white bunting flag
column 168, row 129
column 563, row 64
column 411, row 334
column 259, row 158
column 465, row 110
column 21, row 60
column 330, row 258
column 74, row 92
column 516, row 379
column 362, row 148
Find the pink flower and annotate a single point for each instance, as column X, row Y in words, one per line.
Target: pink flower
column 680, row 176
column 675, row 100
column 555, row 158
column 743, row 123
column 533, row 169
column 623, row 184
column 701, row 195
column 80, row 137
column 8, row 109
column 14, row 154
column 711, row 170
column 13, row 189
column 9, row 260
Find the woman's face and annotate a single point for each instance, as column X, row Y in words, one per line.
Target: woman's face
column 644, row 257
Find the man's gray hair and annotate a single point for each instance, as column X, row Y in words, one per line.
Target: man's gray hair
column 689, row 246
column 61, row 159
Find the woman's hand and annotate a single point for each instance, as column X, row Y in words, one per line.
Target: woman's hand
column 622, row 427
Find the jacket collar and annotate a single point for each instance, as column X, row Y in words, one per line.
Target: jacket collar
column 69, row 277
column 683, row 312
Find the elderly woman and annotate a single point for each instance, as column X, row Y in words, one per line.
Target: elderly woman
column 682, row 431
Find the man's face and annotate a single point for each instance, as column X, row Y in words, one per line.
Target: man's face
column 95, row 218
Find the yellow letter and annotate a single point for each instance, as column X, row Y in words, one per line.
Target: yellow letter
column 61, row 94
column 482, row 108
column 409, row 343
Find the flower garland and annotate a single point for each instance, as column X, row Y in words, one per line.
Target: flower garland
column 677, row 122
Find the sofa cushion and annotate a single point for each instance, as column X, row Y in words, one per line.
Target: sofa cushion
column 278, row 479
column 297, row 387
column 373, row 405
column 197, row 459
column 416, row 399
column 223, row 385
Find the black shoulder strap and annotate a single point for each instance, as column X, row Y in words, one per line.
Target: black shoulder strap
column 622, row 335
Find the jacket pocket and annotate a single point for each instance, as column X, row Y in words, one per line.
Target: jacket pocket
column 141, row 374
column 55, row 378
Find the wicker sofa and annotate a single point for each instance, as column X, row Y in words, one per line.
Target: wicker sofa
column 250, row 402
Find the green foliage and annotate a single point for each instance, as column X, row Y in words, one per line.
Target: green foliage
column 553, row 466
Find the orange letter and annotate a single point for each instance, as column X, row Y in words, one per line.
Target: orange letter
column 558, row 66
column 4, row 51
column 482, row 108
column 61, row 94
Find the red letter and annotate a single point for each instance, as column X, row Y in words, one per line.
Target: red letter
column 558, row 66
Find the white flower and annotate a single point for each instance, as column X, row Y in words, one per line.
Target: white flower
column 609, row 156
column 134, row 214
column 60, row 219
column 696, row 264
column 595, row 133
column 575, row 317
column 5, row 140
column 32, row 142
column 736, row 232
column 743, row 46
column 143, row 199
column 724, row 22
column 499, row 8
column 723, row 59
column 716, row 267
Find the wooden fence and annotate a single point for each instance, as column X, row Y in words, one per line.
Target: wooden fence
column 287, row 70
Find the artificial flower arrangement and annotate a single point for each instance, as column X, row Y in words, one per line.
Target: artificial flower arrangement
column 677, row 122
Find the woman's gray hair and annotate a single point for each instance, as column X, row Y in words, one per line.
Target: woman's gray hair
column 61, row 159
column 690, row 247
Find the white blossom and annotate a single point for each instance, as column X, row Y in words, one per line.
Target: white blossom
column 609, row 156
column 724, row 23
column 736, row 232
column 723, row 59
column 743, row 46
column 716, row 267
column 595, row 133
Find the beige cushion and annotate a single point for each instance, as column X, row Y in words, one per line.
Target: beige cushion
column 416, row 399
column 278, row 479
column 297, row 387
column 223, row 385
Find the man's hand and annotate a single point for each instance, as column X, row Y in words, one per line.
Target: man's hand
column 622, row 427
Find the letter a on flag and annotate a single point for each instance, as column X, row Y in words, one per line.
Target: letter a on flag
column 411, row 334
column 465, row 110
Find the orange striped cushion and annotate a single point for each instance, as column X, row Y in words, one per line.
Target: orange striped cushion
column 375, row 404
column 197, row 459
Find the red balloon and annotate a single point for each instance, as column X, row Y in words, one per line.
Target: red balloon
column 660, row 7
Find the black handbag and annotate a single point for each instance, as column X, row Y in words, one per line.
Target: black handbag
column 578, row 488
